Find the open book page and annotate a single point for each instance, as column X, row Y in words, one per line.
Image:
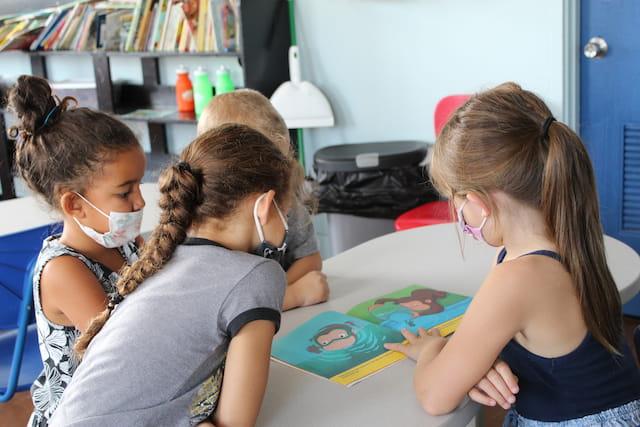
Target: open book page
column 341, row 348
column 414, row 307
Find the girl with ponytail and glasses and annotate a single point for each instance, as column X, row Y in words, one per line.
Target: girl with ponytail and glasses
column 523, row 182
column 190, row 339
column 87, row 166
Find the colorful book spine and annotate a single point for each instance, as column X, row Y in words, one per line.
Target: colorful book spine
column 202, row 26
column 47, row 26
column 141, row 35
column 129, row 44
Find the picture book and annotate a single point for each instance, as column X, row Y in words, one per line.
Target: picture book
column 339, row 347
column 346, row 348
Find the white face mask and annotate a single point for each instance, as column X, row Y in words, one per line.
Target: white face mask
column 266, row 249
column 123, row 227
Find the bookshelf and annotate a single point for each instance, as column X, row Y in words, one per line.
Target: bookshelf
column 262, row 55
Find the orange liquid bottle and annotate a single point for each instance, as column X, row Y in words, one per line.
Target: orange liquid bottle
column 184, row 90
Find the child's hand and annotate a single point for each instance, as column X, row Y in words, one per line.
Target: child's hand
column 415, row 343
column 312, row 288
column 498, row 386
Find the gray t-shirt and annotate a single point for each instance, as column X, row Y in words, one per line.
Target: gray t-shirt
column 159, row 359
column 302, row 239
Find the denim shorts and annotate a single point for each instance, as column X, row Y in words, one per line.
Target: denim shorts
column 621, row 416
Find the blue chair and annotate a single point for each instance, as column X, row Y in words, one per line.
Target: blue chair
column 16, row 252
column 20, row 361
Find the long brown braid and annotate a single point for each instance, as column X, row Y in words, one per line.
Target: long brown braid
column 216, row 172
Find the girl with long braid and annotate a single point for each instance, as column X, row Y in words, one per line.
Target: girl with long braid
column 523, row 182
column 87, row 166
column 199, row 305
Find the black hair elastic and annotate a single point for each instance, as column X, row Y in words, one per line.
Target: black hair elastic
column 113, row 301
column 545, row 127
column 184, row 166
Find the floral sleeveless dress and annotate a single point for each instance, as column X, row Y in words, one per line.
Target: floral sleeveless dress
column 57, row 341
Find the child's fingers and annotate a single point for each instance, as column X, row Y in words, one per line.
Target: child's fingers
column 434, row 332
column 396, row 346
column 406, row 348
column 508, row 377
column 493, row 386
column 422, row 332
column 410, row 336
column 478, row 396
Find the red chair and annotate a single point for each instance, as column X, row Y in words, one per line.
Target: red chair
column 428, row 214
column 433, row 212
column 445, row 108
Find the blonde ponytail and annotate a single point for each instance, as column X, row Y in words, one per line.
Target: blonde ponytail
column 571, row 210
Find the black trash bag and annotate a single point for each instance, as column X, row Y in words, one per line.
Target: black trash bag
column 373, row 193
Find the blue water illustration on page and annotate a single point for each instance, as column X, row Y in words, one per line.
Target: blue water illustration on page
column 332, row 343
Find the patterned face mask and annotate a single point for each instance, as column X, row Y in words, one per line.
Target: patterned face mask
column 476, row 232
column 123, row 227
column 266, row 249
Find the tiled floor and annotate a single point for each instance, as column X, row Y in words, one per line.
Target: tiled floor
column 15, row 413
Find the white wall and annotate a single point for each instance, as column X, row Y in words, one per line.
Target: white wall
column 384, row 64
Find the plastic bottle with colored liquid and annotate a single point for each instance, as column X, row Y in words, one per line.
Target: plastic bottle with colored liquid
column 184, row 90
column 223, row 80
column 202, row 90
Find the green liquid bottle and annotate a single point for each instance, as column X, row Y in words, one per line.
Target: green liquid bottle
column 202, row 90
column 223, row 80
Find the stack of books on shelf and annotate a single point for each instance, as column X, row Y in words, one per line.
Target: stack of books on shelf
column 125, row 25
column 17, row 32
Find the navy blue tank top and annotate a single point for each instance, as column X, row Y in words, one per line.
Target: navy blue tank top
column 588, row 380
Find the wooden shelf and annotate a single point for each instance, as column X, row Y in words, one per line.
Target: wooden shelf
column 129, row 54
column 264, row 34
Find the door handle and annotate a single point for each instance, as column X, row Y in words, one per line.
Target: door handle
column 596, row 48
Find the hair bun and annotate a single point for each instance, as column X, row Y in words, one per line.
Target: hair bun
column 32, row 100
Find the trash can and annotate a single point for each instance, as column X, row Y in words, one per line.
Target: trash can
column 363, row 187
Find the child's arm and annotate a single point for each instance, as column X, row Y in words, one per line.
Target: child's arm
column 70, row 293
column 447, row 369
column 245, row 375
column 302, row 266
column 307, row 284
